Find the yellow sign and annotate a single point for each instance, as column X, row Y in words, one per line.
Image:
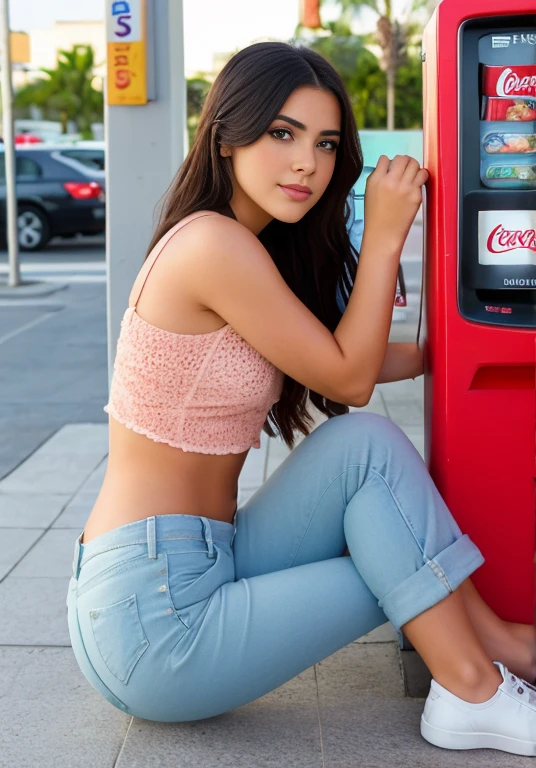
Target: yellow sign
column 20, row 47
column 126, row 52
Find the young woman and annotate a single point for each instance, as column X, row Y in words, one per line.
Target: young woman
column 183, row 605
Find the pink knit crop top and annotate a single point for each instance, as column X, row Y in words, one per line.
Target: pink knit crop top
column 205, row 392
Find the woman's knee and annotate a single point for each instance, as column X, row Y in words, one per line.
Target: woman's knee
column 369, row 431
column 359, row 423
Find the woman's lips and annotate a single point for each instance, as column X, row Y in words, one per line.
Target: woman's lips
column 294, row 194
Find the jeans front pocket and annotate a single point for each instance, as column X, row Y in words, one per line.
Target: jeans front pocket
column 119, row 636
column 193, row 577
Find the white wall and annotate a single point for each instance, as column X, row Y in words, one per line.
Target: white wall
column 45, row 43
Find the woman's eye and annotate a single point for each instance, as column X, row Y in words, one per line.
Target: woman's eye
column 279, row 130
column 334, row 144
column 284, row 131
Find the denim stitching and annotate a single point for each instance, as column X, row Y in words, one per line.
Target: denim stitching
column 399, row 508
column 440, row 574
column 120, row 566
column 139, row 541
column 168, row 592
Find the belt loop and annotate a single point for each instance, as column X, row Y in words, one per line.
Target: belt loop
column 77, row 557
column 151, row 537
column 207, row 532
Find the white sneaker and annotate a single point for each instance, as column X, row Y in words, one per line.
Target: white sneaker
column 507, row 721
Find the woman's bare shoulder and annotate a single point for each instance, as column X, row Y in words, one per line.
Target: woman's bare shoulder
column 186, row 253
column 209, row 224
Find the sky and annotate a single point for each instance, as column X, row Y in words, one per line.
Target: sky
column 25, row 15
column 233, row 25
column 35, row 14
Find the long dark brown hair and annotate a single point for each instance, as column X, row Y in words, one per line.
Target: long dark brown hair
column 313, row 255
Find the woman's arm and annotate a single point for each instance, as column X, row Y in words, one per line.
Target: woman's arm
column 403, row 360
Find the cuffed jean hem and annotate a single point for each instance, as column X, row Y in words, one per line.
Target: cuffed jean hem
column 435, row 581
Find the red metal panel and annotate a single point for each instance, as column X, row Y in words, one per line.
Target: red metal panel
column 480, row 380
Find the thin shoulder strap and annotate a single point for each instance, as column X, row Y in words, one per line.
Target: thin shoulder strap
column 149, row 263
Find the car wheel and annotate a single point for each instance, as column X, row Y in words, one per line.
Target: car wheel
column 33, row 228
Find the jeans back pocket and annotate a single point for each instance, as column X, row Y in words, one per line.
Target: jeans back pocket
column 119, row 636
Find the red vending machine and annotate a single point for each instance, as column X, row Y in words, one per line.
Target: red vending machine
column 480, row 284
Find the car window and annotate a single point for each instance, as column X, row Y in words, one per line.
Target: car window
column 91, row 158
column 27, row 168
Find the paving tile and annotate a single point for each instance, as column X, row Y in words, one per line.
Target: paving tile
column 384, row 634
column 244, row 494
column 94, row 482
column 252, row 473
column 76, row 512
column 416, row 435
column 277, row 448
column 18, row 442
column 374, row 405
column 406, row 413
column 272, row 464
column 376, row 399
column 374, row 731
column 416, row 674
column 33, row 611
column 368, row 723
column 51, row 557
column 50, row 715
column 30, row 510
column 14, row 543
column 78, row 438
column 408, row 389
column 362, row 667
column 378, row 407
column 279, row 729
column 52, row 473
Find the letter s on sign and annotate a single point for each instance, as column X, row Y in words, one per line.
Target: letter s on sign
column 125, row 27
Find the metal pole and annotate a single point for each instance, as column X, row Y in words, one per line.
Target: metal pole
column 9, row 150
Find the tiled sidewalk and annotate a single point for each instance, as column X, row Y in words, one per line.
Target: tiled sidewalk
column 348, row 711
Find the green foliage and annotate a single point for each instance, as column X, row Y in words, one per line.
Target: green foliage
column 408, row 94
column 366, row 83
column 66, row 92
column 196, row 91
column 364, row 75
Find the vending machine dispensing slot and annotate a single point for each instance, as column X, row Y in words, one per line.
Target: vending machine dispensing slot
column 497, row 172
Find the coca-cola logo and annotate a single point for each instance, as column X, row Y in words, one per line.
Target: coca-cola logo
column 501, row 240
column 510, row 82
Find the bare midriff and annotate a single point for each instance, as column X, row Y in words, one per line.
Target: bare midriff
column 145, row 478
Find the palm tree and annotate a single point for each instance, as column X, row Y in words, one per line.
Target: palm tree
column 394, row 33
column 67, row 90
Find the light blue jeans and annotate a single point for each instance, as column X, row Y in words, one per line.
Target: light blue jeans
column 179, row 617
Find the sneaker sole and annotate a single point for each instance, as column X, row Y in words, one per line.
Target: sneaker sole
column 453, row 740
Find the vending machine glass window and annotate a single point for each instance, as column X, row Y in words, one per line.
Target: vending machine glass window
column 497, row 171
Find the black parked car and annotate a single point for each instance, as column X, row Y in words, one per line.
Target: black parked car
column 60, row 191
